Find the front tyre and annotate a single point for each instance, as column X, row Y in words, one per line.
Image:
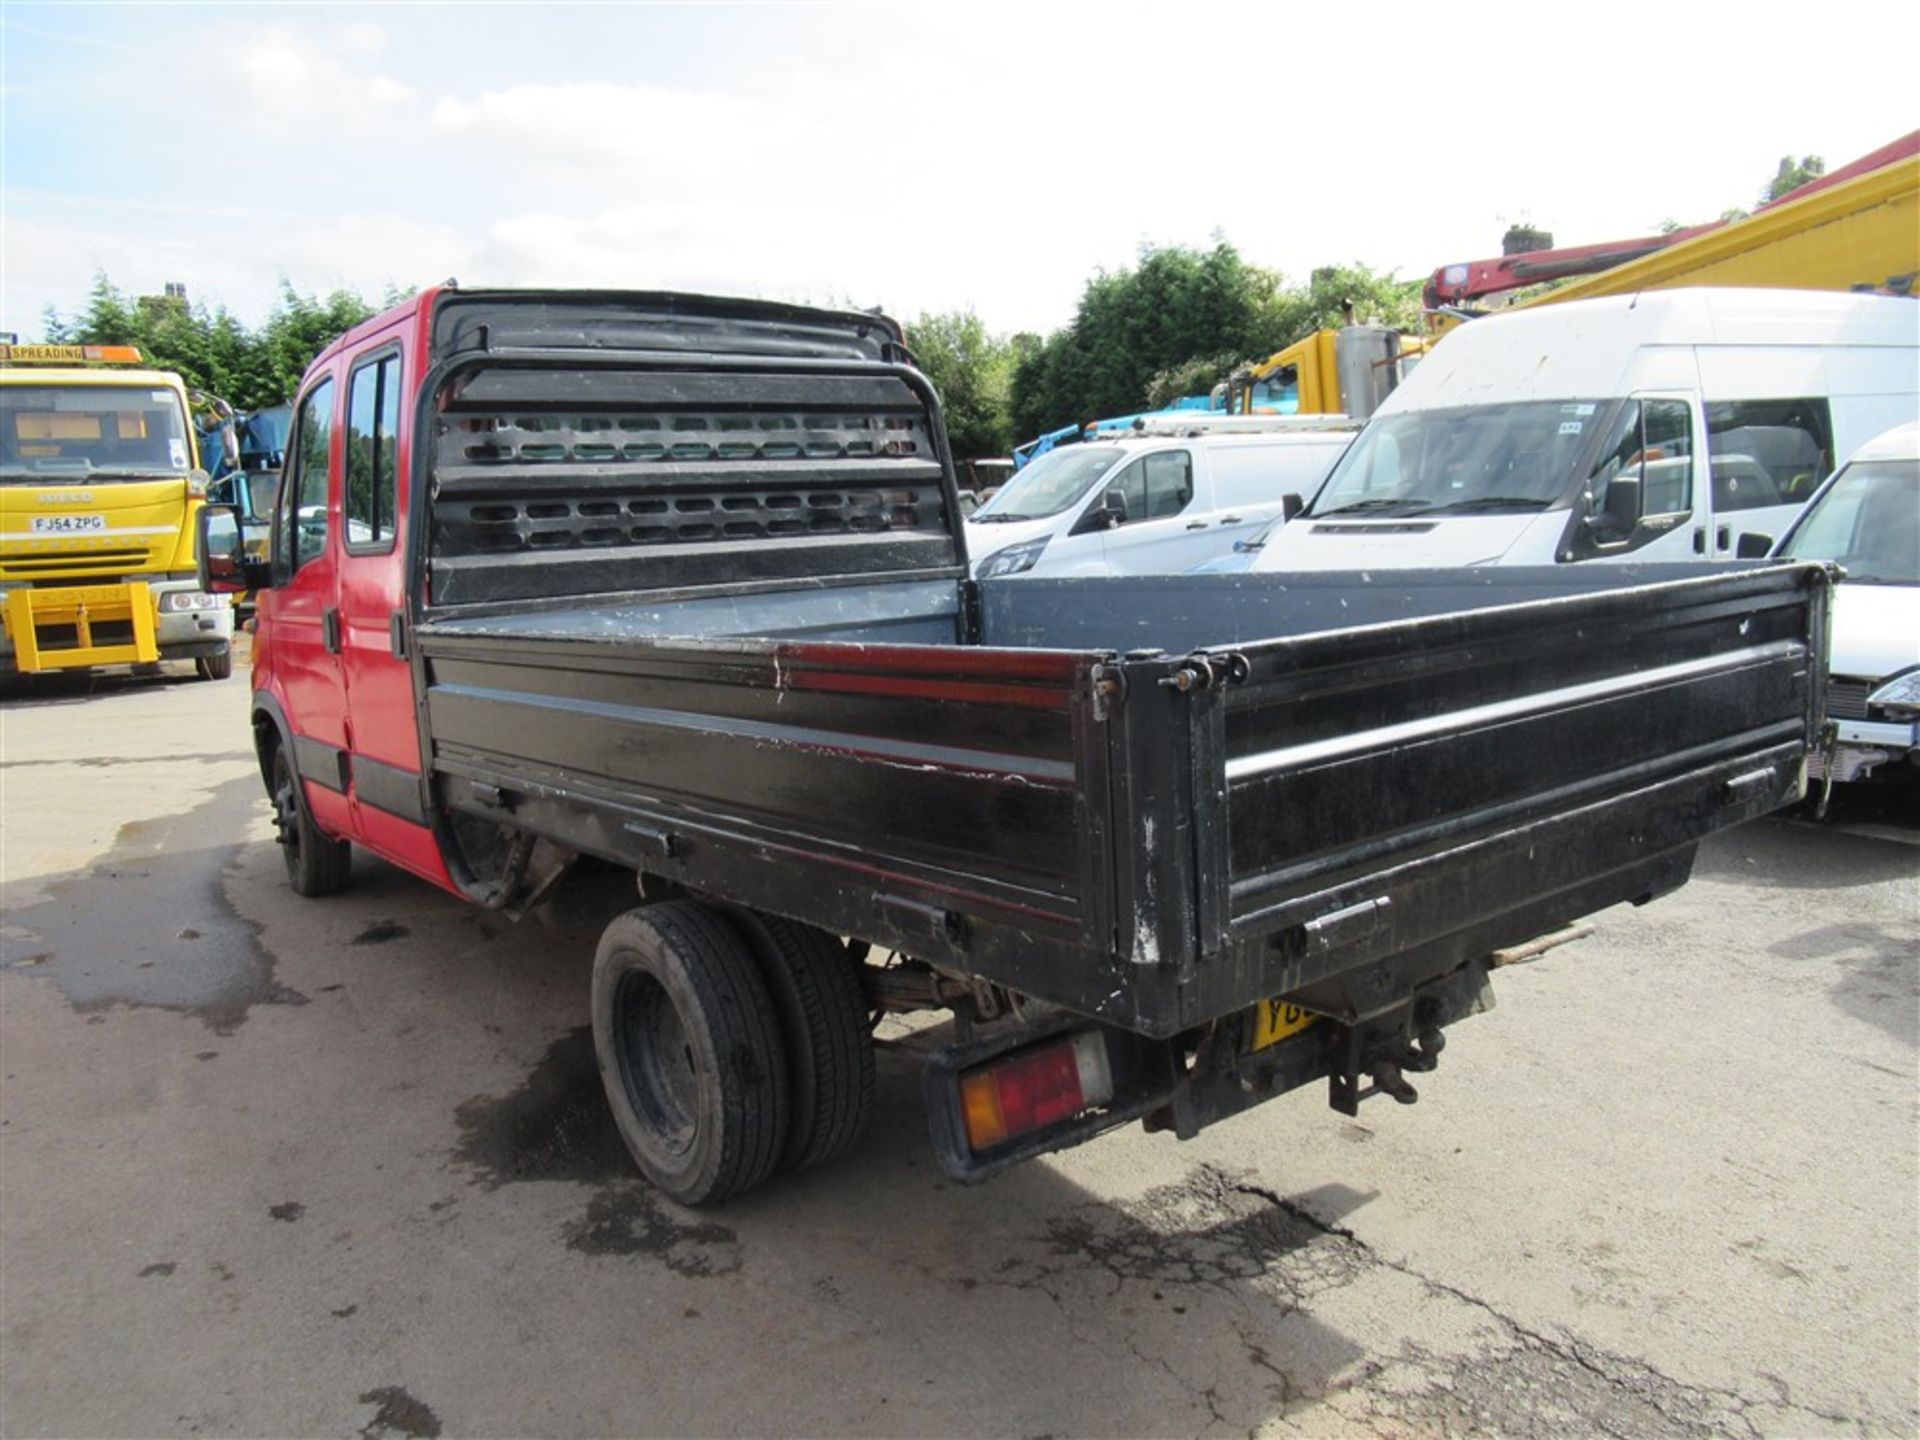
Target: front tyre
column 316, row 864
column 690, row 1051
column 215, row 667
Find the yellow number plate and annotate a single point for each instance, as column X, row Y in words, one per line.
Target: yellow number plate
column 1275, row 1020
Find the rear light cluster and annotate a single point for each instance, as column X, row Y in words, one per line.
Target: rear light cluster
column 1034, row 1088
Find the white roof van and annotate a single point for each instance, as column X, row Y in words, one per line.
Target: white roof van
column 1156, row 502
column 1657, row 426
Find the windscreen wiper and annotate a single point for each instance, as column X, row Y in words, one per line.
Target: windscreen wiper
column 1380, row 505
column 1492, row 502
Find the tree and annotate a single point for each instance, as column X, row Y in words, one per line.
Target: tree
column 1791, row 175
column 1336, row 294
column 1177, row 303
column 1178, row 324
column 210, row 349
column 299, row 328
column 1193, row 377
column 973, row 371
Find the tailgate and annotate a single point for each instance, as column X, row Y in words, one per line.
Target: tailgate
column 1389, row 786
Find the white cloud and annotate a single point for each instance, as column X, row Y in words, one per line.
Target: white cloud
column 295, row 79
column 611, row 135
column 923, row 162
column 364, row 37
column 365, row 252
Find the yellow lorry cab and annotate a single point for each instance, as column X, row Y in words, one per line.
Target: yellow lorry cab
column 100, row 481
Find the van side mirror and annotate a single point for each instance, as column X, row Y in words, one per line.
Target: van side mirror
column 220, row 548
column 1290, row 506
column 1753, row 546
column 1113, row 509
column 1619, row 511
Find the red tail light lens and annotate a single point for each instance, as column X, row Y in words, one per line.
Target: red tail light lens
column 1032, row 1089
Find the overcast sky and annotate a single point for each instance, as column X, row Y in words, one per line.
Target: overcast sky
column 954, row 155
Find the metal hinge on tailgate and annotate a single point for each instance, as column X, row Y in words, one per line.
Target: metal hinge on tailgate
column 1202, row 671
column 1109, row 689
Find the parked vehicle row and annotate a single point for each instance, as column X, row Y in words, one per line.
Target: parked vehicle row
column 1160, row 501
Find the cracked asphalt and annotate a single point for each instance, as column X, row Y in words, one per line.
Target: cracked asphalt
column 273, row 1166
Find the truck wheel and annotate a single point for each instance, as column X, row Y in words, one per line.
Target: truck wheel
column 823, row 1015
column 316, row 863
column 215, row 667
column 690, row 1051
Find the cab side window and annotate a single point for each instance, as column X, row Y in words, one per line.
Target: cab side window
column 304, row 521
column 1646, row 469
column 1768, row 452
column 1169, row 483
column 373, row 422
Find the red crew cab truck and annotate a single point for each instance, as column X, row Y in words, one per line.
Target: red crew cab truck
column 680, row 583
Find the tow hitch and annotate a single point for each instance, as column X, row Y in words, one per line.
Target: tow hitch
column 1031, row 1088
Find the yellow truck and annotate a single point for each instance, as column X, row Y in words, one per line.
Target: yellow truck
column 100, row 484
column 1348, row 371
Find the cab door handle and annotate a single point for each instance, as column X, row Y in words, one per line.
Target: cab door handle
column 1699, row 539
column 1723, row 537
column 330, row 629
column 1196, row 524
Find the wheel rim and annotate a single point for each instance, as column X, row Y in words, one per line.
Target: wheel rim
column 657, row 1067
column 286, row 807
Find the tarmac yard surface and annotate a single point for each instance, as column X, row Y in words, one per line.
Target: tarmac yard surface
column 278, row 1166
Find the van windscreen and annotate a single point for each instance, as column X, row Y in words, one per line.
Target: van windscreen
column 1048, row 485
column 1474, row 459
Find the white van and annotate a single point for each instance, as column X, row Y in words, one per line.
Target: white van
column 1156, row 502
column 1867, row 520
column 1656, row 426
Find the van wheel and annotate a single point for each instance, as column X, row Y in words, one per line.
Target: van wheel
column 690, row 1051
column 215, row 667
column 316, row 864
column 823, row 1015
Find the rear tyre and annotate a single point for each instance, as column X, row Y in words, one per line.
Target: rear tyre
column 823, row 1015
column 316, row 863
column 215, row 667
column 690, row 1051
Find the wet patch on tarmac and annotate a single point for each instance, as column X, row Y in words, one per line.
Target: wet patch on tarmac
column 149, row 924
column 556, row 1126
column 630, row 1219
column 109, row 762
column 398, row 1413
column 161, row 1268
column 289, row 1211
column 380, row 932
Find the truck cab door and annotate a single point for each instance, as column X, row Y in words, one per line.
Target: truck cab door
column 307, row 677
column 383, row 735
column 1169, row 524
column 1647, row 497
